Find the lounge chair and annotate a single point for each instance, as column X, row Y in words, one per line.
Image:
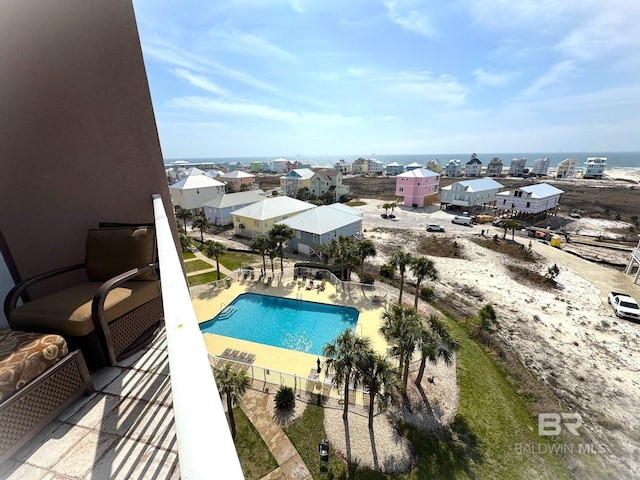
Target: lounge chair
column 113, row 313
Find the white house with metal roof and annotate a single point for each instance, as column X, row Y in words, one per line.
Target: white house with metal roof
column 540, row 197
column 320, row 225
column 470, row 193
column 237, row 178
column 193, row 191
column 219, row 211
column 258, row 218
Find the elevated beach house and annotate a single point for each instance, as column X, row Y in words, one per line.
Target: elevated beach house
column 516, row 169
column 494, row 167
column 417, row 187
column 481, row 192
column 219, row 211
column 566, row 168
column 258, row 218
column 434, row 165
column 326, row 184
column 322, row 224
column 412, row 166
column 237, row 179
column 193, row 191
column 540, row 167
column 295, row 180
column 473, row 168
column 594, row 167
column 453, row 168
column 533, row 199
column 393, row 169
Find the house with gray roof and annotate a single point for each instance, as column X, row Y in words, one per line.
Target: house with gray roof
column 219, row 211
column 320, row 225
column 258, row 218
column 193, row 191
column 326, row 184
column 470, row 193
column 473, row 168
column 537, row 198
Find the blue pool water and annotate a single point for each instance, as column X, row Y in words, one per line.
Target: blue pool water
column 282, row 322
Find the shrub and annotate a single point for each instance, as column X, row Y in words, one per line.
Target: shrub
column 285, row 398
column 387, row 271
column 367, row 278
column 426, row 294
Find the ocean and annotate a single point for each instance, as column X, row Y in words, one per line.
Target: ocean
column 615, row 160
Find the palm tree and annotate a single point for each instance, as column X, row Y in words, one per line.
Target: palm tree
column 488, row 317
column 401, row 327
column 323, row 251
column 279, row 234
column 400, row 261
column 435, row 342
column 510, row 225
column 422, row 267
column 381, row 378
column 344, row 354
column 184, row 215
column 216, row 250
column 233, row 384
column 366, row 249
column 201, row 223
column 261, row 245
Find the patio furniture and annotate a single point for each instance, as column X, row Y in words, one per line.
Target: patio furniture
column 111, row 315
column 39, row 378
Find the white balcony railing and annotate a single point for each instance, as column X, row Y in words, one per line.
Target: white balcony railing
column 205, row 446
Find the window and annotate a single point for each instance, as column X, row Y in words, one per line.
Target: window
column 316, row 238
column 256, row 223
column 401, row 189
column 528, row 204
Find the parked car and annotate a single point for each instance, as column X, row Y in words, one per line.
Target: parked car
column 434, row 227
column 624, row 306
column 462, row 220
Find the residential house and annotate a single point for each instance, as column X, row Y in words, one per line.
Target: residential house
column 540, row 167
column 360, row 166
column 393, row 169
column 412, row 166
column 537, row 198
column 215, row 174
column 375, row 167
column 594, row 167
column 257, row 167
column 258, row 218
column 470, row 193
column 434, row 165
column 566, row 168
column 453, row 168
column 237, row 179
column 494, row 167
column 342, row 166
column 219, row 211
column 517, row 167
column 418, row 187
column 327, row 184
column 473, row 168
column 193, row 191
column 282, row 165
column 320, row 225
column 295, row 180
column 78, row 111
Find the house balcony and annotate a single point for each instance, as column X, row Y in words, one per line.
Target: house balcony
column 156, row 414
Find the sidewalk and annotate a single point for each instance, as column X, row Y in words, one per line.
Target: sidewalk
column 201, row 256
column 291, row 465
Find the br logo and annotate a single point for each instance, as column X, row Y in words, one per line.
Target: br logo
column 550, row 424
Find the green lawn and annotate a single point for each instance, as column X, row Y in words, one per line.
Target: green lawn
column 188, row 255
column 235, row 260
column 196, row 265
column 492, row 421
column 204, row 278
column 255, row 457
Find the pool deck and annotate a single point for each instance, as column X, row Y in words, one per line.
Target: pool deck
column 209, row 302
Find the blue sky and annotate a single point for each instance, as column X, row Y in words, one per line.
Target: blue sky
column 356, row 77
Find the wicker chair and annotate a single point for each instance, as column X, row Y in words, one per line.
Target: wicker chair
column 114, row 313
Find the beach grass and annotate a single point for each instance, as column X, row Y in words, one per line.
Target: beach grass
column 254, row 455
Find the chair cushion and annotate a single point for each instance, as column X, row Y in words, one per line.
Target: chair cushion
column 68, row 312
column 112, row 251
column 24, row 356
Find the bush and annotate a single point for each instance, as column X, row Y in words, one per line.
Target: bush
column 285, row 398
column 426, row 294
column 387, row 271
column 367, row 278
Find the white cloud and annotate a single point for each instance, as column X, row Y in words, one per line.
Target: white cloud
column 248, row 44
column 423, row 86
column 493, row 79
column 199, row 81
column 558, row 74
column 412, row 16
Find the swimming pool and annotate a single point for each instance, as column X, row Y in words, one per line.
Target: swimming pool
column 282, row 322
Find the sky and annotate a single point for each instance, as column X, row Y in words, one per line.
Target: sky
column 359, row 77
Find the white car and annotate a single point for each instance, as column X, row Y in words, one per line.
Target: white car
column 434, row 227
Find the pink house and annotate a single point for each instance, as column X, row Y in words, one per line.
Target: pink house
column 416, row 186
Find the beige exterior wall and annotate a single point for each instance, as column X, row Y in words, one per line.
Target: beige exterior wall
column 79, row 140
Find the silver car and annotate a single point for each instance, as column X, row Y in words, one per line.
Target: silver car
column 434, row 227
